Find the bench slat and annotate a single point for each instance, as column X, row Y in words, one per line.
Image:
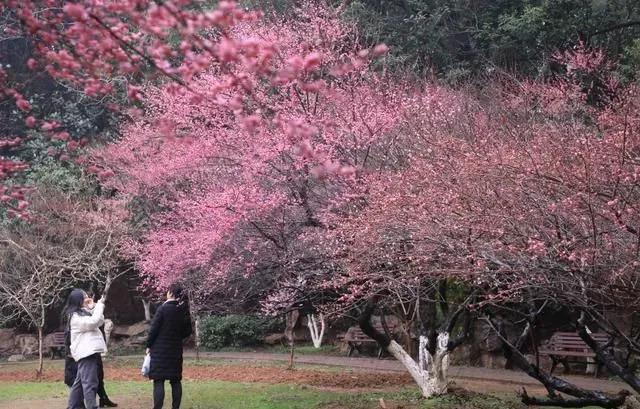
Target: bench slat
column 569, row 353
column 570, row 344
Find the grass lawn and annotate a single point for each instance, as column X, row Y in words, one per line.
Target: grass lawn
column 215, row 395
column 212, row 393
column 227, row 395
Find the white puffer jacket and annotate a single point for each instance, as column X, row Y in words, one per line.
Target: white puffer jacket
column 86, row 338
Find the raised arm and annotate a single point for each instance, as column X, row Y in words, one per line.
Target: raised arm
column 89, row 323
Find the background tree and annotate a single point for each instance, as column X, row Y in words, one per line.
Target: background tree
column 234, row 197
column 67, row 242
column 514, row 201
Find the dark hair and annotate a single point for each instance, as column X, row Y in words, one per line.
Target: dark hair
column 180, row 295
column 177, row 290
column 74, row 304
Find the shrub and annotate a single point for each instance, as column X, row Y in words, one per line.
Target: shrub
column 232, row 330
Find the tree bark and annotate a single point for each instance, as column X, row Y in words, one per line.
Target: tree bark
column 431, row 374
column 604, row 355
column 316, row 334
column 553, row 384
column 40, row 352
column 431, row 371
column 197, row 325
column 147, row 310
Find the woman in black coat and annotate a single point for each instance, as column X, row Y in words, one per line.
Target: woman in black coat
column 171, row 324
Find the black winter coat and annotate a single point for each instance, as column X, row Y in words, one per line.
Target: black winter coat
column 170, row 326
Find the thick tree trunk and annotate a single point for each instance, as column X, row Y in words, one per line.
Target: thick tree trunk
column 292, row 353
column 316, row 334
column 580, row 397
column 604, row 355
column 431, row 372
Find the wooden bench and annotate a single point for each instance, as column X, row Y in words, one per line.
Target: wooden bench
column 565, row 345
column 55, row 343
column 356, row 339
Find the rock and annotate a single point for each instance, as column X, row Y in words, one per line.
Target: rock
column 16, row 358
column 7, row 340
column 296, row 327
column 137, row 329
column 27, row 344
column 461, row 355
column 343, row 347
column 488, row 360
column 274, row 339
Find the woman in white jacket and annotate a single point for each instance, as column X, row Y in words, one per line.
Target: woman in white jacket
column 84, row 318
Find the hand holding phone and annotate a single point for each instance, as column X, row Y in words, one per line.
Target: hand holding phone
column 88, row 303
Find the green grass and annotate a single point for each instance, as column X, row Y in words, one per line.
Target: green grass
column 258, row 364
column 32, row 365
column 303, row 349
column 47, row 390
column 227, row 395
column 219, row 395
column 309, row 350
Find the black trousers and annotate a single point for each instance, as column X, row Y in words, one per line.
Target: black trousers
column 158, row 393
column 102, row 394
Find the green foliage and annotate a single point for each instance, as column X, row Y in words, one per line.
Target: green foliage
column 232, row 330
column 280, row 7
column 58, row 175
column 630, row 63
column 459, row 39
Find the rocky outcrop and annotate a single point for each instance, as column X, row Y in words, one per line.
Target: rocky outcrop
column 26, row 344
column 7, row 341
column 129, row 336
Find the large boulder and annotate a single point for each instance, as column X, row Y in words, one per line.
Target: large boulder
column 16, row 358
column 27, row 344
column 137, row 329
column 130, row 336
column 275, row 339
column 7, row 341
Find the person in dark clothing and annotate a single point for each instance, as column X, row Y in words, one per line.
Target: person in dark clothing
column 171, row 324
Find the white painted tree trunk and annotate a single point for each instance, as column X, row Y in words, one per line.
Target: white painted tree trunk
column 316, row 333
column 147, row 310
column 197, row 338
column 431, row 371
column 591, row 363
column 108, row 329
